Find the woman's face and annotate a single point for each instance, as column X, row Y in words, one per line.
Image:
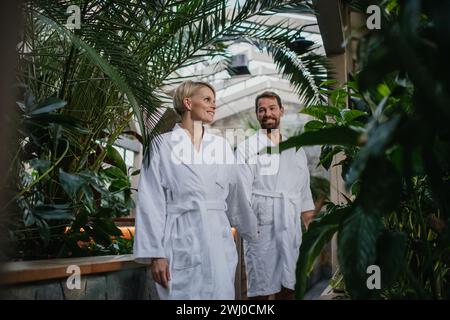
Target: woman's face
column 203, row 105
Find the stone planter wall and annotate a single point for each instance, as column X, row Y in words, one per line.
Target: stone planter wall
column 101, row 278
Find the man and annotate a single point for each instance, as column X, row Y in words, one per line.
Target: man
column 277, row 185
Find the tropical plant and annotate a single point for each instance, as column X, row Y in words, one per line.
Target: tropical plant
column 396, row 159
column 82, row 206
column 131, row 49
column 90, row 85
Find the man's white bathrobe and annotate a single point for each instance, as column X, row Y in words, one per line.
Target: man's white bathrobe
column 279, row 190
column 187, row 202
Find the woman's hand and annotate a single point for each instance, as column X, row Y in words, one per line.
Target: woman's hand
column 160, row 271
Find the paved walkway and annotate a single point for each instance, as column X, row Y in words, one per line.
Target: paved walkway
column 315, row 292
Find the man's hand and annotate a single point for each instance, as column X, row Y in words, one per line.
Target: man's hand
column 160, row 271
column 307, row 217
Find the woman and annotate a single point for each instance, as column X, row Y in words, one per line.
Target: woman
column 188, row 199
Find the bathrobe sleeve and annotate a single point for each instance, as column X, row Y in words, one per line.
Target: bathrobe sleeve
column 307, row 199
column 246, row 170
column 150, row 213
column 239, row 212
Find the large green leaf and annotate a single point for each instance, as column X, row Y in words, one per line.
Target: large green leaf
column 45, row 120
column 109, row 226
column 379, row 176
column 41, row 165
column 378, row 140
column 28, row 218
column 44, row 230
column 116, row 159
column 357, row 249
column 350, row 115
column 49, row 105
column 54, row 212
column 71, row 183
column 327, row 154
column 313, row 125
column 102, row 230
column 105, row 66
column 320, row 231
column 330, row 136
column 391, row 252
column 115, row 173
column 320, row 112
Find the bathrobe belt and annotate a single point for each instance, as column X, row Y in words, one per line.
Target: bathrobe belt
column 286, row 236
column 182, row 207
column 175, row 209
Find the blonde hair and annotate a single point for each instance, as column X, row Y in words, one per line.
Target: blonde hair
column 186, row 90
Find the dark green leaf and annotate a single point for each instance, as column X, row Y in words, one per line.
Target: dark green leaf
column 321, row 111
column 320, row 231
column 391, row 248
column 115, row 173
column 44, row 230
column 357, row 249
column 136, row 172
column 378, row 140
column 350, row 115
column 54, row 212
column 70, row 183
column 330, row 136
column 313, row 125
column 40, row 164
column 327, row 154
column 28, row 218
column 117, row 185
column 51, row 104
column 116, row 158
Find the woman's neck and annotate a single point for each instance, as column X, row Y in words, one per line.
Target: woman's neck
column 194, row 129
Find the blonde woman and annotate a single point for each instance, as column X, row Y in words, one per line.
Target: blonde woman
column 189, row 197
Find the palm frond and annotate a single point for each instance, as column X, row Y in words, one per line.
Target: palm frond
column 146, row 42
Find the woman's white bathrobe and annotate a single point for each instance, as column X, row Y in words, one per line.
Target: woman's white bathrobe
column 187, row 202
column 278, row 187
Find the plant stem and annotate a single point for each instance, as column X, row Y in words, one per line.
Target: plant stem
column 40, row 177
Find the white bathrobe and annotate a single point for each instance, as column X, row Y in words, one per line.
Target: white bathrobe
column 278, row 187
column 187, row 202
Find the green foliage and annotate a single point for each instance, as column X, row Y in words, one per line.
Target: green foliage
column 398, row 173
column 91, row 85
column 132, row 49
column 117, row 246
column 61, row 209
column 320, row 231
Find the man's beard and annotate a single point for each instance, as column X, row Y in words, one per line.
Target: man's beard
column 275, row 124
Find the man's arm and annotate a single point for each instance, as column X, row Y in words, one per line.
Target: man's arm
column 308, row 207
column 239, row 211
column 245, row 167
column 307, row 217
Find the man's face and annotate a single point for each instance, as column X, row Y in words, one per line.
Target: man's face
column 269, row 113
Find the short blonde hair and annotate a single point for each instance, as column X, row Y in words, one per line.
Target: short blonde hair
column 186, row 90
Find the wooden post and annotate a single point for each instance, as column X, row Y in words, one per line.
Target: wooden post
column 333, row 18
